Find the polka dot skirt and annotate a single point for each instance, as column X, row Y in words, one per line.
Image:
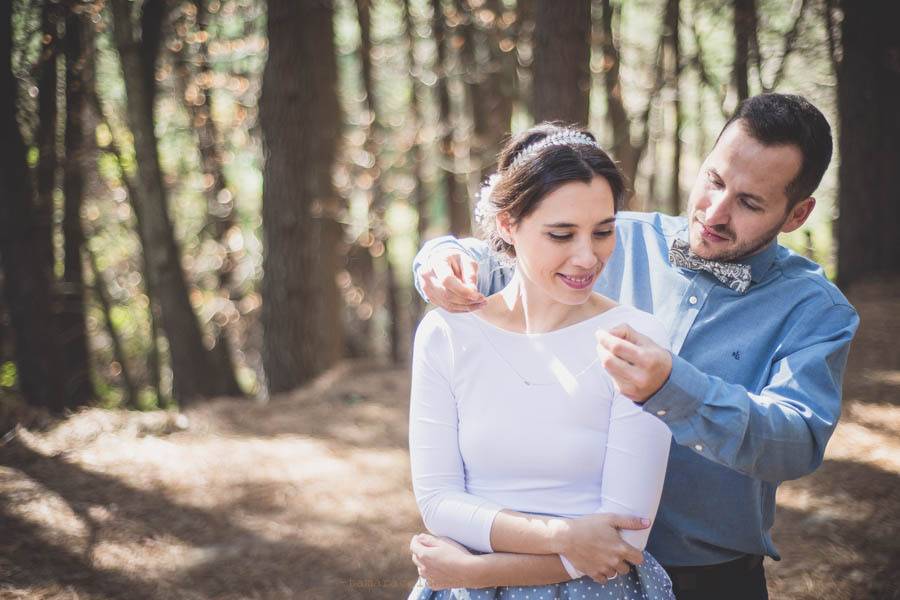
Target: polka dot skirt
column 647, row 581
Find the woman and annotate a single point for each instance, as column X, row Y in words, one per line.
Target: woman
column 511, row 415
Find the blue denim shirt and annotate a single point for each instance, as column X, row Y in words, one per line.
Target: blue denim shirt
column 755, row 389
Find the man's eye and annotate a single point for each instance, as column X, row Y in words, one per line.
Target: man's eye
column 747, row 204
column 559, row 237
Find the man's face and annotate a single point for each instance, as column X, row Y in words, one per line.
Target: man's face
column 739, row 202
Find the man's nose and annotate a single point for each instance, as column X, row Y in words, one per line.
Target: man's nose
column 718, row 212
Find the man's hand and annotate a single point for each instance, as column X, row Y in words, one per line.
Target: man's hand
column 593, row 544
column 637, row 364
column 450, row 280
column 442, row 562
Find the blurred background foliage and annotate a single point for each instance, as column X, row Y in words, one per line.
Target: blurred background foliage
column 404, row 156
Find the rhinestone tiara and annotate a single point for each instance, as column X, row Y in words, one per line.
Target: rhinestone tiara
column 564, row 138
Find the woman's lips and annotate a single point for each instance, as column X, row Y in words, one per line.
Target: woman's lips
column 578, row 282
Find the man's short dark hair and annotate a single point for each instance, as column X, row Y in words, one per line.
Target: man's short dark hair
column 776, row 119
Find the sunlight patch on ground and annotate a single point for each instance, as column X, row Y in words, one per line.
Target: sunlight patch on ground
column 40, row 506
column 855, row 442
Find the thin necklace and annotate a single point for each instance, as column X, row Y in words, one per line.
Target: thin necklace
column 526, row 380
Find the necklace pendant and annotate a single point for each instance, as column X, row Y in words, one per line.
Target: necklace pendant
column 526, row 382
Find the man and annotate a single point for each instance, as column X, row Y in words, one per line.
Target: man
column 752, row 388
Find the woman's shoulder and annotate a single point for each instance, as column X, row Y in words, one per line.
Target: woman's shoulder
column 440, row 323
column 642, row 322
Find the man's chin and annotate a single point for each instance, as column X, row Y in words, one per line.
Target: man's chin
column 704, row 250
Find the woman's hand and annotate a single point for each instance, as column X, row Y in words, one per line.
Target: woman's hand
column 442, row 562
column 593, row 544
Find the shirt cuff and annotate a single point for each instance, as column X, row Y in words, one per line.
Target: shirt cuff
column 488, row 513
column 570, row 568
column 680, row 396
column 442, row 243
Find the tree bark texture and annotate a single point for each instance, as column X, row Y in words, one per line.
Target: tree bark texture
column 868, row 97
column 302, row 331
column 562, row 54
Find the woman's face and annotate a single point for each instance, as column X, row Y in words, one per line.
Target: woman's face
column 563, row 245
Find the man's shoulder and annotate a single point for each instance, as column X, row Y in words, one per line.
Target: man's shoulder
column 808, row 281
column 650, row 223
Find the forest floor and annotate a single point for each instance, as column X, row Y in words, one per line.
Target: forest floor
column 308, row 495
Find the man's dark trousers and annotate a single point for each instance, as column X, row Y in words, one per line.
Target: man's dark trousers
column 741, row 579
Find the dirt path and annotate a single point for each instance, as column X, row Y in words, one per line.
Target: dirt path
column 308, row 496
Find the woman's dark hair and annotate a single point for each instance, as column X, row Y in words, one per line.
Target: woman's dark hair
column 523, row 183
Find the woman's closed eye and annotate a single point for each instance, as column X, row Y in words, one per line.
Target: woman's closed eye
column 563, row 237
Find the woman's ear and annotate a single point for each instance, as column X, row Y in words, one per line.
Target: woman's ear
column 505, row 227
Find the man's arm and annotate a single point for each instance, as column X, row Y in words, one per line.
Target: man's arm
column 775, row 435
column 441, row 277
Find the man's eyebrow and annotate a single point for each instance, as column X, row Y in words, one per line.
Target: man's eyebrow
column 755, row 197
column 563, row 225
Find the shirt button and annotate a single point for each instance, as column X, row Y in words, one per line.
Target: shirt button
column 660, row 413
column 693, row 299
column 698, row 448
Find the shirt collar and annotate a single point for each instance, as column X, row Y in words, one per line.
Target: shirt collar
column 761, row 262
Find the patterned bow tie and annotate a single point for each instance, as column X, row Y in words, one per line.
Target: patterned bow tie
column 735, row 275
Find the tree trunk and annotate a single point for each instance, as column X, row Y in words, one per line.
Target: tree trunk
column 196, row 372
column 868, row 97
column 154, row 360
column 458, row 210
column 419, row 195
column 48, row 117
column 562, row 55
column 672, row 42
column 628, row 153
column 194, row 88
column 744, row 34
column 73, row 329
column 524, row 56
column 490, row 79
column 103, row 298
column 299, row 202
column 27, row 281
column 378, row 204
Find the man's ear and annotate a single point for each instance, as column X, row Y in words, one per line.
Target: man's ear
column 799, row 214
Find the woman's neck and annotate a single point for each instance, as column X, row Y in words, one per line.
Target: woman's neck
column 524, row 308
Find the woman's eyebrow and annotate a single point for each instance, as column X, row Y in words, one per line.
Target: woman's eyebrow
column 562, row 224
